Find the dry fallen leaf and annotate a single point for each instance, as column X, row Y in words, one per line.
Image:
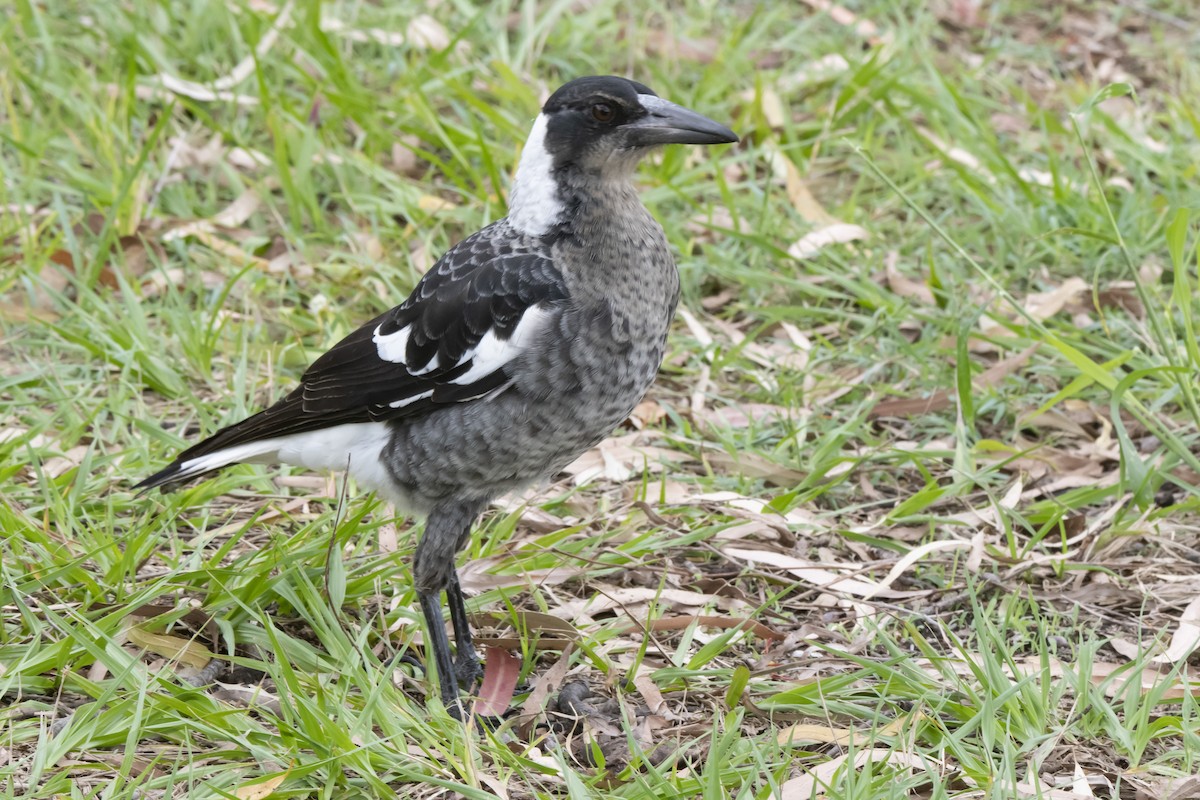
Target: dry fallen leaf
column 942, row 398
column 813, row 242
column 753, row 465
column 1038, row 305
column 647, row 412
column 185, row 651
column 824, row 68
column 957, row 154
column 157, row 282
column 650, row 693
column 844, row 16
column 432, row 204
column 620, row 458
column 742, row 415
column 1186, row 637
column 528, row 622
column 806, row 205
column 903, row 285
column 546, row 685
column 218, row 90
column 500, row 674
column 631, row 598
column 427, row 33
column 1117, row 678
column 667, row 47
column 959, row 13
column 232, row 216
column 915, row 555
column 405, row 159
column 261, row 789
column 474, row 578
column 1173, row 789
column 824, row 575
column 56, row 466
column 803, row 732
column 821, row 777
column 683, row 621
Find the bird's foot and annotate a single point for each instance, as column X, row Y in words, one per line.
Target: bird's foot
column 457, row 709
column 467, row 669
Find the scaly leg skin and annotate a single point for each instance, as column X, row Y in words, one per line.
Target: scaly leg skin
column 447, row 672
column 431, row 607
column 467, row 668
column 446, row 530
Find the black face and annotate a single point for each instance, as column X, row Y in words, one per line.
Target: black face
column 605, row 123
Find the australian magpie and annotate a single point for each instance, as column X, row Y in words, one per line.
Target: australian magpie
column 526, row 344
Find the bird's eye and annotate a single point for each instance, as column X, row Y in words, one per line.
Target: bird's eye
column 603, row 112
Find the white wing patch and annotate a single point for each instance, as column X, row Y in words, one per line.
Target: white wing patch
column 408, row 401
column 489, row 355
column 493, row 352
column 534, row 206
column 393, row 346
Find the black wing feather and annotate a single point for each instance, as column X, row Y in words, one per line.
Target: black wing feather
column 481, row 284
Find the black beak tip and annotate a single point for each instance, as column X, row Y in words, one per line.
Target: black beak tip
column 717, row 134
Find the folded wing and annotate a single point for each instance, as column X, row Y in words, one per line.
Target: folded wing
column 471, row 315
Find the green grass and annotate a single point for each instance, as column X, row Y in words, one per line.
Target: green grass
column 1048, row 513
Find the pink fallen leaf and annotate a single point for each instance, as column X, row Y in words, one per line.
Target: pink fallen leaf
column 500, row 674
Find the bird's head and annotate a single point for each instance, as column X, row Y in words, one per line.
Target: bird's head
column 597, row 129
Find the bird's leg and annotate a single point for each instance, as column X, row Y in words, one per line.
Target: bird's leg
column 446, row 530
column 431, row 607
column 466, row 663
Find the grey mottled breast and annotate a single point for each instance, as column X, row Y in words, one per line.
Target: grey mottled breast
column 589, row 368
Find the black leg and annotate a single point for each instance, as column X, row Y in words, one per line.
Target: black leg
column 446, row 530
column 431, row 607
column 466, row 665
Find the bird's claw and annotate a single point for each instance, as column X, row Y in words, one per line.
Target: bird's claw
column 457, row 709
column 467, row 669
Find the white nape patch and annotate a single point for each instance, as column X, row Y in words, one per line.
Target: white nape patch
column 407, row 401
column 356, row 446
column 535, row 206
column 393, row 346
column 493, row 352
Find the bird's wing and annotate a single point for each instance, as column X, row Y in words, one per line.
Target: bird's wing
column 449, row 342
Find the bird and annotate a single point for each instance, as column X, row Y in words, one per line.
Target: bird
column 523, row 346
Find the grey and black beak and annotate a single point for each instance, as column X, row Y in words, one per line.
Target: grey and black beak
column 668, row 123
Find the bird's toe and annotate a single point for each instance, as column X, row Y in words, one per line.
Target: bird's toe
column 467, row 668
